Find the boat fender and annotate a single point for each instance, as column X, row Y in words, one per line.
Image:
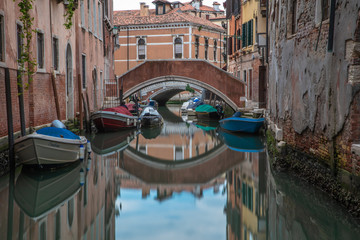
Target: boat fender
column 127, row 121
column 88, row 146
column 88, row 166
column 82, row 152
column 82, row 177
column 57, row 124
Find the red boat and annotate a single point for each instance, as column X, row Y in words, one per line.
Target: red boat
column 113, row 119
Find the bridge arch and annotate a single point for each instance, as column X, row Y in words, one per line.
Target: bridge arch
column 196, row 72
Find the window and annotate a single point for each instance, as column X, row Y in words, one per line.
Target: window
column 293, row 20
column 247, row 33
column 2, row 39
column 94, row 18
column 207, row 16
column 178, row 47
column 55, row 48
column 82, row 11
column 100, row 22
column 141, row 48
column 206, row 48
column 57, row 225
column 83, row 71
column 179, row 153
column 40, row 49
column 89, row 16
column 244, row 76
column 20, row 42
column 215, row 50
column 325, row 9
column 106, row 10
column 197, row 47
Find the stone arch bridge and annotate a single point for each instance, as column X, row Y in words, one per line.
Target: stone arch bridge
column 196, row 72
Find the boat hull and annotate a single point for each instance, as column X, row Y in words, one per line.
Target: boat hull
column 106, row 121
column 37, row 149
column 207, row 115
column 238, row 124
column 151, row 121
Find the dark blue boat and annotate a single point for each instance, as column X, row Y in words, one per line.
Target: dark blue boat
column 236, row 123
column 242, row 142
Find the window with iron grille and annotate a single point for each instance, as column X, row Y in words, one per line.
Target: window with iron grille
column 178, row 47
column 206, row 48
column 141, row 49
column 197, row 47
column 19, row 36
column 55, row 48
column 83, row 70
column 215, row 50
column 2, row 39
column 40, row 49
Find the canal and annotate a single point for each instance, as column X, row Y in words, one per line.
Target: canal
column 185, row 180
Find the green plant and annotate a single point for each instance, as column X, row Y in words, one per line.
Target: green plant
column 69, row 13
column 26, row 62
column 189, row 89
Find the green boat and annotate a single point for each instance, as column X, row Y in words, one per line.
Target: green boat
column 206, row 111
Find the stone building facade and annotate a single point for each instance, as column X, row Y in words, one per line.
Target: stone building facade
column 151, row 34
column 246, row 47
column 85, row 50
column 314, row 78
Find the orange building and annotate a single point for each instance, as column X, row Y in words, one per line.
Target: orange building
column 165, row 33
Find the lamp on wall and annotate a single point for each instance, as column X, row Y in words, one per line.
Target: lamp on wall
column 114, row 31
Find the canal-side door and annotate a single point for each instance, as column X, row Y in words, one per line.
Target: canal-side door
column 69, row 84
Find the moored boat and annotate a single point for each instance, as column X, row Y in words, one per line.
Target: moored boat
column 239, row 123
column 206, row 111
column 113, row 119
column 49, row 146
column 150, row 117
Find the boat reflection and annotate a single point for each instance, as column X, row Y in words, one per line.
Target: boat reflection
column 242, row 142
column 38, row 192
column 106, row 143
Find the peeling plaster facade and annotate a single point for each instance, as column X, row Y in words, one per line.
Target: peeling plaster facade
column 313, row 93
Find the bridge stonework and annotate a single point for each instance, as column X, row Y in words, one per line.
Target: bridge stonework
column 198, row 72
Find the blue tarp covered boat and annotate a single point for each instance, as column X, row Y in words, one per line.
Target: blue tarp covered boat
column 237, row 123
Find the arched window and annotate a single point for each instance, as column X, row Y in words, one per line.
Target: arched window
column 206, row 48
column 178, row 47
column 215, row 50
column 141, row 49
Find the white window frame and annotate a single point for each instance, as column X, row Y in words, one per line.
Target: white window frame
column 40, row 69
column 82, row 12
column 182, row 46
column 3, row 52
column 58, row 52
column 137, row 47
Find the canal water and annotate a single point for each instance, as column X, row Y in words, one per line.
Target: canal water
column 184, row 180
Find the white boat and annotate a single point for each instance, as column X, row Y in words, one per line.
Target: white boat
column 40, row 149
column 185, row 105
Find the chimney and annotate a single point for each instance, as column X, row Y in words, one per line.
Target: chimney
column 143, row 10
column 216, row 6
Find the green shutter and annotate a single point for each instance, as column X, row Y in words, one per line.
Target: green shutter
column 243, row 35
column 249, row 33
column 252, row 31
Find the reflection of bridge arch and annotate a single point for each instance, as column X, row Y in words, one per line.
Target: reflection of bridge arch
column 199, row 170
column 197, row 72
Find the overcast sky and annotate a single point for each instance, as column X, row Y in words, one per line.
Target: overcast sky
column 135, row 4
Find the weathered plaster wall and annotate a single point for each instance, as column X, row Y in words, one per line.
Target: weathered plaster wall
column 312, row 91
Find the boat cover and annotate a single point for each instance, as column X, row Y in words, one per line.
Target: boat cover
column 57, row 132
column 149, row 111
column 119, row 109
column 195, row 104
column 205, row 108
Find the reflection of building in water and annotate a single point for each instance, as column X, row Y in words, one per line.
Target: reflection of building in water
column 166, row 191
column 175, row 145
column 246, row 201
column 88, row 213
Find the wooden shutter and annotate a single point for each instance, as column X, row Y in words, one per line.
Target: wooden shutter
column 244, row 43
column 229, row 45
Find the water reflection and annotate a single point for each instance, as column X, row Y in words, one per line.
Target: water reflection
column 185, row 180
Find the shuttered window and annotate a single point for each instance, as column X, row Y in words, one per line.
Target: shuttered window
column 178, row 47
column 243, row 37
column 247, row 37
column 250, row 29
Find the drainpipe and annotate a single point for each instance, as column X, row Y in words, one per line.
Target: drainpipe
column 332, row 26
column 127, row 43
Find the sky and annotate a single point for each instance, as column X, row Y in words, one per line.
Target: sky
column 135, row 4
